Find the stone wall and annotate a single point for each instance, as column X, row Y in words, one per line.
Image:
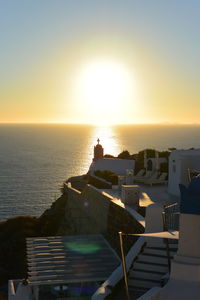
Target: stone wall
column 92, row 211
column 99, row 182
column 120, row 219
column 87, row 210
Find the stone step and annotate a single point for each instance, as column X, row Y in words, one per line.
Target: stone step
column 152, row 259
column 150, row 267
column 138, row 283
column 136, row 292
column 162, row 252
column 145, row 275
column 172, row 246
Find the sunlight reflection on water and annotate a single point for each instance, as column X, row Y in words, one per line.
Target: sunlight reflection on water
column 108, row 139
column 36, row 159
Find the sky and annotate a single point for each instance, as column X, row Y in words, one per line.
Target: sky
column 100, row 62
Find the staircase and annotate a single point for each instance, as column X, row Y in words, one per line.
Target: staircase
column 149, row 268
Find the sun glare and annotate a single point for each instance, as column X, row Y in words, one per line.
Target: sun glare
column 103, row 89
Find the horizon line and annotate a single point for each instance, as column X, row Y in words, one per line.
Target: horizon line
column 100, row 125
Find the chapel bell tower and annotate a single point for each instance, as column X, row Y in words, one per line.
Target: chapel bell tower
column 98, row 151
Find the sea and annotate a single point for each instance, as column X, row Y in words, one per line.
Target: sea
column 35, row 160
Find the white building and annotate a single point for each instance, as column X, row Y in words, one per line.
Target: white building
column 154, row 163
column 179, row 163
column 116, row 165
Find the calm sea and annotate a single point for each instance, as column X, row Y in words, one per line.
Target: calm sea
column 36, row 159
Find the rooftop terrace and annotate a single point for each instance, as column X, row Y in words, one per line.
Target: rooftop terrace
column 148, row 195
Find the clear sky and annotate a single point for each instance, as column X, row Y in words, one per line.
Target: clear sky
column 77, row 61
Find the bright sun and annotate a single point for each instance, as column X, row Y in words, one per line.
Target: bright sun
column 103, row 89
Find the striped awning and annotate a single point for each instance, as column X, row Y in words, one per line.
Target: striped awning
column 67, row 259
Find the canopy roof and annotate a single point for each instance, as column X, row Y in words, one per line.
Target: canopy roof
column 174, row 235
column 58, row 260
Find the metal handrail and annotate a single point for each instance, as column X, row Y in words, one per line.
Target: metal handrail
column 170, row 217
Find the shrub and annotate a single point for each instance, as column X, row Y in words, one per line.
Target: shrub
column 108, row 156
column 107, row 175
column 124, row 155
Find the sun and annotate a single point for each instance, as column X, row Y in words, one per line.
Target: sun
column 103, row 89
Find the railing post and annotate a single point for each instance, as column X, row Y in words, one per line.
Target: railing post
column 124, row 264
column 189, row 174
column 166, row 241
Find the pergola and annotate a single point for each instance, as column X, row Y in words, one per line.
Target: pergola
column 59, row 260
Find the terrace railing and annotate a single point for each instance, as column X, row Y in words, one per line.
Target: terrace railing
column 170, row 215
